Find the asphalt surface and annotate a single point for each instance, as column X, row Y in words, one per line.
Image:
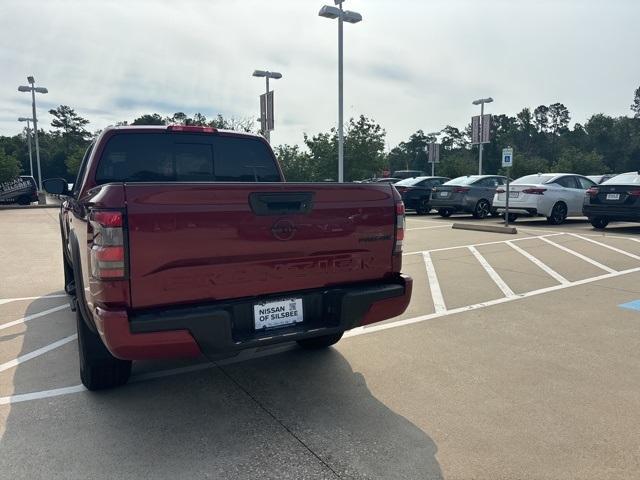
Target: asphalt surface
column 514, row 360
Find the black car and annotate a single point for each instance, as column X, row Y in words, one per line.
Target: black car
column 617, row 199
column 21, row 190
column 416, row 192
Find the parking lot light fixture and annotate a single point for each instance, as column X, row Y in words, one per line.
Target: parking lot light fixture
column 267, row 75
column 33, row 89
column 481, row 102
column 330, row 12
column 28, row 119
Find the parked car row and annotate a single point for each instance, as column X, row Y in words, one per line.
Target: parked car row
column 556, row 196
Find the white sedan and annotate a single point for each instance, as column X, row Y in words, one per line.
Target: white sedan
column 552, row 195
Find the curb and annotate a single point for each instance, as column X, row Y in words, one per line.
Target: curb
column 485, row 228
column 26, row 207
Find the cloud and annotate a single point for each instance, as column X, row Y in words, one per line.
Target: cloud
column 409, row 64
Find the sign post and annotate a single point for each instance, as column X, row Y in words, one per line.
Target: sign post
column 434, row 156
column 507, row 162
column 480, row 133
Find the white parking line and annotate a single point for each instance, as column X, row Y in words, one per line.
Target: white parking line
column 44, row 297
column 25, row 397
column 537, row 262
column 31, row 317
column 444, row 249
column 36, row 353
column 497, row 279
column 579, row 255
column 604, row 245
column 434, row 284
column 423, row 318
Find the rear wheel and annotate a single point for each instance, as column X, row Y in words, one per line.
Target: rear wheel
column 445, row 212
column 98, row 368
column 513, row 217
column 320, row 342
column 599, row 222
column 422, row 208
column 558, row 214
column 482, row 210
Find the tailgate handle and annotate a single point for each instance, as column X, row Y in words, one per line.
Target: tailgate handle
column 281, row 203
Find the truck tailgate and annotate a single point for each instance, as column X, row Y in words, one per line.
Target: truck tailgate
column 193, row 242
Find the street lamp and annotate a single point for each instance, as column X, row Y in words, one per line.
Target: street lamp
column 28, row 119
column 267, row 75
column 481, row 102
column 432, row 160
column 348, row 16
column 33, row 89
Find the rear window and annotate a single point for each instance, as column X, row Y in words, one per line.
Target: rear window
column 409, row 182
column 468, row 180
column 533, row 179
column 623, row 179
column 172, row 157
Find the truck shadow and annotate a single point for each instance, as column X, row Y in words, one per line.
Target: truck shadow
column 296, row 414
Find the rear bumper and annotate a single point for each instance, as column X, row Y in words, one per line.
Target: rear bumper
column 629, row 214
column 223, row 329
column 457, row 205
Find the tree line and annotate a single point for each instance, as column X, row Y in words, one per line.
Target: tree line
column 542, row 140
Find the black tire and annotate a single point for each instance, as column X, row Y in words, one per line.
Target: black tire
column 422, row 207
column 599, row 223
column 320, row 342
column 98, row 368
column 494, row 213
column 558, row 214
column 482, row 210
column 445, row 212
column 513, row 217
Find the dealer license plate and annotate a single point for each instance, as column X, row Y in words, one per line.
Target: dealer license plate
column 278, row 313
column 613, row 196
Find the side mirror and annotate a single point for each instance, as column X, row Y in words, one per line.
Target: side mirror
column 56, row 186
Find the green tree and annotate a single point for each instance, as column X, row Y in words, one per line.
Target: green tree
column 149, row 119
column 558, row 118
column 296, row 165
column 457, row 164
column 635, row 106
column 70, row 125
column 9, row 167
column 541, row 118
column 573, row 160
column 363, row 151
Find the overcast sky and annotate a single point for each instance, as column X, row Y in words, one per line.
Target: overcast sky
column 411, row 64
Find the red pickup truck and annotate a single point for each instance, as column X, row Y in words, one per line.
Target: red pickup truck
column 183, row 241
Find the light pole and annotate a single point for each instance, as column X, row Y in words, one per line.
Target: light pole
column 27, row 119
column 349, row 17
column 33, row 89
column 481, row 102
column 432, row 160
column 267, row 75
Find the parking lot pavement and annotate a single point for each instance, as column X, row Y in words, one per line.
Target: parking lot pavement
column 513, row 360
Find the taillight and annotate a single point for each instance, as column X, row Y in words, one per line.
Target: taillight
column 400, row 226
column 593, row 191
column 461, row 189
column 634, row 193
column 107, row 254
column 534, row 191
column 500, row 190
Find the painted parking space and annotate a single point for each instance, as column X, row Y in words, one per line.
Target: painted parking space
column 511, row 327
